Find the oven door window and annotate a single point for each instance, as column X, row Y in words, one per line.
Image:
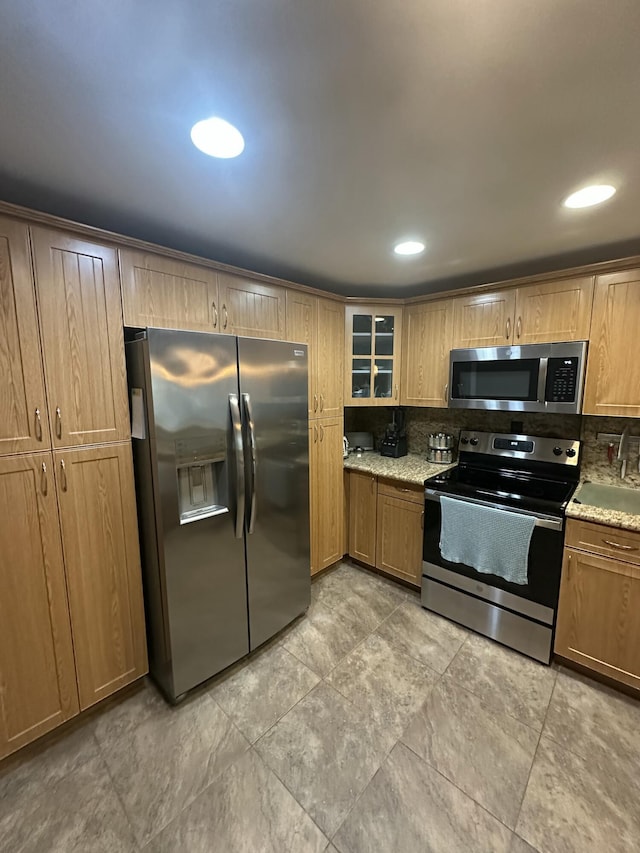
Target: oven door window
column 496, row 380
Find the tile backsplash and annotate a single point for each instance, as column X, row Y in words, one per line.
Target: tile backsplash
column 422, row 421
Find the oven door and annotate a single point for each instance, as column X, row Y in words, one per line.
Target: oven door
column 537, row 599
column 498, row 378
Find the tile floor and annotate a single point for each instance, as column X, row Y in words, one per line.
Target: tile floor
column 369, row 726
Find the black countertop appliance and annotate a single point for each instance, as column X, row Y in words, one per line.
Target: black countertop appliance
column 394, row 443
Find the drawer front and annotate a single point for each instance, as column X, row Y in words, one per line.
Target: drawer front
column 398, row 489
column 608, row 541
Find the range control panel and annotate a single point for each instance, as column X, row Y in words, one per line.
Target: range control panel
column 562, row 380
column 540, row 449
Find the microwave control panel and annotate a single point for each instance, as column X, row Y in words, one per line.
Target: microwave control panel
column 562, row 380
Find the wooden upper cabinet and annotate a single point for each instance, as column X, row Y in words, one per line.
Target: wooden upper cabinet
column 24, row 424
column 554, row 311
column 81, row 325
column 37, row 671
column 373, row 338
column 302, row 320
column 251, row 308
column 484, row 319
column 100, row 539
column 428, row 329
column 330, row 357
column 613, row 362
column 169, row 294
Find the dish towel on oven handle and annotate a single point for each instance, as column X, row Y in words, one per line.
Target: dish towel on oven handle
column 492, row 541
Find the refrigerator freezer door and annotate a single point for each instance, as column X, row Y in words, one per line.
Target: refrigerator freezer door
column 194, row 382
column 273, row 386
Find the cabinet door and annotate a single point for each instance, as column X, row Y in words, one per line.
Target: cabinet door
column 599, row 615
column 168, row 294
column 399, row 538
column 362, row 517
column 555, row 311
column 252, row 309
column 100, row 541
column 302, row 317
column 37, row 672
column 426, row 345
column 484, row 319
column 613, row 363
column 81, row 323
column 329, row 491
column 24, row 424
column 330, row 357
column 373, row 337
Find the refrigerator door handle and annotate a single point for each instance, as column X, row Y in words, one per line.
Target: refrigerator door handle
column 236, row 436
column 254, row 461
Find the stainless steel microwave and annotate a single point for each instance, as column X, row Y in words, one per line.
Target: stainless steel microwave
column 529, row 378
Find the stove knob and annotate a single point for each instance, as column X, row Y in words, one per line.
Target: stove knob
column 474, row 442
column 557, row 451
column 571, row 452
column 464, row 440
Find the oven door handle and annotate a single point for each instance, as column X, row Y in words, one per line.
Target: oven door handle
column 541, row 520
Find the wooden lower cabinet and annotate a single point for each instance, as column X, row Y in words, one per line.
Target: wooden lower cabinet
column 599, row 615
column 399, row 538
column 363, row 498
column 37, row 671
column 326, row 492
column 100, row 540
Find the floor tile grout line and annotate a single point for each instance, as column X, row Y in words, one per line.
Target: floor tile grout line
column 125, row 811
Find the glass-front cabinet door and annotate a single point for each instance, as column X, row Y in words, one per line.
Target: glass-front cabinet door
column 373, row 335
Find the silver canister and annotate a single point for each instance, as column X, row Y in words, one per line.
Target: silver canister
column 440, row 448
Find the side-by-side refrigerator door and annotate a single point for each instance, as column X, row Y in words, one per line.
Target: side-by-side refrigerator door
column 273, row 390
column 200, row 490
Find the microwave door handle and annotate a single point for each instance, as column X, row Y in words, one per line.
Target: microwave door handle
column 542, row 380
column 238, row 449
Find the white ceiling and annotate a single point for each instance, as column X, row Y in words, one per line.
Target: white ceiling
column 462, row 122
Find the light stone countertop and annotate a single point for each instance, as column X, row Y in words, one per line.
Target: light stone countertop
column 412, row 468
column 610, row 517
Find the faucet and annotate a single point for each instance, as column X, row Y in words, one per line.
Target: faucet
column 623, row 451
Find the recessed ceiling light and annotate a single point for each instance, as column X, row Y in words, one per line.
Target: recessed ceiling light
column 595, row 194
column 409, row 247
column 217, row 138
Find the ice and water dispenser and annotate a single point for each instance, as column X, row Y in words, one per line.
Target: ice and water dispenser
column 202, row 479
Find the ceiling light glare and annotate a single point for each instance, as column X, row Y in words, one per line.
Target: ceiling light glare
column 217, row 138
column 409, row 247
column 588, row 196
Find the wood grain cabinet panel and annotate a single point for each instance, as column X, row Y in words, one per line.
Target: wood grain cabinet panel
column 100, row 540
column 399, row 538
column 555, row 311
column 302, row 327
column 363, row 507
column 613, row 363
column 252, row 309
column 428, row 331
column 327, row 492
column 81, row 323
column 484, row 319
column 168, row 294
column 37, row 671
column 330, row 358
column 599, row 615
column 24, row 424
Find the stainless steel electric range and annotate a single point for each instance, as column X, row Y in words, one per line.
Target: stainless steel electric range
column 517, row 473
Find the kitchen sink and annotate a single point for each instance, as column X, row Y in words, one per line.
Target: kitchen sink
column 609, row 497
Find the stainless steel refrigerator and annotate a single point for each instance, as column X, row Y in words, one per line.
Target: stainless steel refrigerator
column 222, row 479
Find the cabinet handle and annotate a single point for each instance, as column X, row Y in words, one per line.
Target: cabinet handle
column 508, row 329
column 568, row 566
column 519, row 327
column 321, row 433
column 315, row 402
column 396, row 392
column 215, row 314
column 63, row 475
column 44, row 479
column 373, row 481
column 422, row 520
column 402, row 490
column 226, row 316
column 619, row 546
column 38, row 426
column 315, row 434
column 58, row 422
column 322, row 402
column 446, row 393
